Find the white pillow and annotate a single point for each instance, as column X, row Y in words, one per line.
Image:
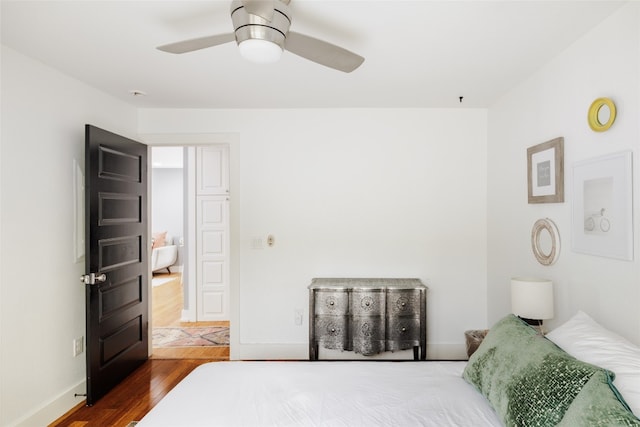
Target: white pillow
column 586, row 340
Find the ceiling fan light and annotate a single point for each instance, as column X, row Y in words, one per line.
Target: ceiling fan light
column 260, row 51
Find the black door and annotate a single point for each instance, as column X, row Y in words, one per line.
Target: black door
column 116, row 259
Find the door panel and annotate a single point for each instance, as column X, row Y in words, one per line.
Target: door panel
column 212, row 232
column 115, row 253
column 212, row 272
column 213, row 253
column 119, row 209
column 119, row 296
column 116, row 240
column 212, row 170
column 213, row 244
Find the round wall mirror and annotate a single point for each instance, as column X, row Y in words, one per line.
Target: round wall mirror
column 545, row 241
column 602, row 114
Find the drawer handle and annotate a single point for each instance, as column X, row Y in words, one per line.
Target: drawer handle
column 404, row 303
column 404, row 329
column 333, row 329
column 367, row 303
column 332, row 302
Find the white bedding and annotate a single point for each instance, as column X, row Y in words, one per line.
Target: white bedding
column 226, row 394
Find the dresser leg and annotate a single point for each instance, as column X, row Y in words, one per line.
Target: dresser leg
column 415, row 352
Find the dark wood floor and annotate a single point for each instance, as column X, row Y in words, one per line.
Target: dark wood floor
column 134, row 397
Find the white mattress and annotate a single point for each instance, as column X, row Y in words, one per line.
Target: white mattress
column 226, row 394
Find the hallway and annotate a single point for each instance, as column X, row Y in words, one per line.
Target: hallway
column 167, row 303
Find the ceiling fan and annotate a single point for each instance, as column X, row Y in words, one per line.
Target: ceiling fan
column 261, row 29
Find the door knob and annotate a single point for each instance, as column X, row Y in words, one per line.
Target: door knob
column 93, row 278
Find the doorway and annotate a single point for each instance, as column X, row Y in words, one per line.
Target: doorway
column 182, row 249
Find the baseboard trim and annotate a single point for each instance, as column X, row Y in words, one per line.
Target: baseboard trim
column 443, row 351
column 187, row 316
column 301, row 352
column 56, row 408
column 269, row 352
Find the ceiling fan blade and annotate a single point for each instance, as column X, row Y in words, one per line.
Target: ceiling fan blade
column 262, row 8
column 197, row 43
column 323, row 53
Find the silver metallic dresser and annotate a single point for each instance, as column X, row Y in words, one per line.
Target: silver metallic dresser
column 368, row 316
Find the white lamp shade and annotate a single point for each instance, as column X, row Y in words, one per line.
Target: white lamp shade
column 261, row 51
column 532, row 298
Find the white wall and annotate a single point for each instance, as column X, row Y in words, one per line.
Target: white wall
column 362, row 193
column 167, row 204
column 552, row 103
column 41, row 297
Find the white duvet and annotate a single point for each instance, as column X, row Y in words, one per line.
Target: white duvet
column 319, row 393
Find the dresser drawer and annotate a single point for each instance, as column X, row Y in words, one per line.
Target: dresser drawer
column 403, row 333
column 367, row 302
column 368, row 334
column 333, row 332
column 332, row 302
column 403, row 302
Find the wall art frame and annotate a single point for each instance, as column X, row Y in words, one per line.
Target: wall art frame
column 78, row 212
column 545, row 172
column 602, row 214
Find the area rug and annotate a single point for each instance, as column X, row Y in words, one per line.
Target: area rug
column 208, row 336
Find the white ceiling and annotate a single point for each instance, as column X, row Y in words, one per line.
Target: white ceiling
column 419, row 53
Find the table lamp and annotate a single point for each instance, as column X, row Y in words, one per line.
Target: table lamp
column 532, row 299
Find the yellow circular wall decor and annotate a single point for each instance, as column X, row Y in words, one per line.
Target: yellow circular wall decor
column 602, row 114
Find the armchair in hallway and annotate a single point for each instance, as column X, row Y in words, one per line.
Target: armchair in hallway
column 163, row 253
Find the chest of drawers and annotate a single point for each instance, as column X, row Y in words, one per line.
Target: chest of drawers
column 367, row 316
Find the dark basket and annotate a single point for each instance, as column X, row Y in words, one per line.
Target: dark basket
column 474, row 339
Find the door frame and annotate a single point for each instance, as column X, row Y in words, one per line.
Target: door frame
column 205, row 139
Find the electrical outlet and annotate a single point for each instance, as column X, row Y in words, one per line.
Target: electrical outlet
column 297, row 319
column 78, row 346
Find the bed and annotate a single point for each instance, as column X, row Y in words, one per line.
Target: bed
column 515, row 378
column 323, row 394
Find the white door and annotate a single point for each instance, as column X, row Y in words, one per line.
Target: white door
column 212, row 232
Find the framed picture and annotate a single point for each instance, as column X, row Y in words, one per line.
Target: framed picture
column 78, row 213
column 545, row 172
column 602, row 217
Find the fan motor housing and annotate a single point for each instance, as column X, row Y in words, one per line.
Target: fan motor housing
column 248, row 26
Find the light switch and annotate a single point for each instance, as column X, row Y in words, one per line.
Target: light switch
column 256, row 243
